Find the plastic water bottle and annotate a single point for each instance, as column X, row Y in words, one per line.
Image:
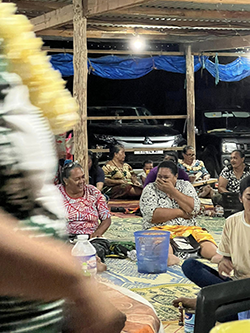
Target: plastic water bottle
column 85, row 252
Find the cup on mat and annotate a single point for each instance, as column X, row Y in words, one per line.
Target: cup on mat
column 152, row 250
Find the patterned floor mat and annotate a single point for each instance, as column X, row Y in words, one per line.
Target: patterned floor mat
column 162, row 296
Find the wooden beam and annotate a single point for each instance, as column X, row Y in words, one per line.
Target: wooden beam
column 137, row 117
column 102, row 32
column 139, row 149
column 80, row 84
column 190, row 97
column 37, row 6
column 149, row 53
column 52, row 19
column 228, row 43
column 102, row 6
column 216, row 2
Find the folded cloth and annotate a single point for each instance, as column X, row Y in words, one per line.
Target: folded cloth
column 141, row 316
column 199, row 234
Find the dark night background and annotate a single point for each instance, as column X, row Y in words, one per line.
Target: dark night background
column 164, row 92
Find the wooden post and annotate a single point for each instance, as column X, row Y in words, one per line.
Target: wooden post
column 80, row 83
column 190, row 97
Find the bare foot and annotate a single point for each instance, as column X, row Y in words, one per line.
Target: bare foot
column 101, row 267
column 173, row 260
column 189, row 303
column 216, row 258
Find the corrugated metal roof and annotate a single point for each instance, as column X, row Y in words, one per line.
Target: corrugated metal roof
column 199, row 6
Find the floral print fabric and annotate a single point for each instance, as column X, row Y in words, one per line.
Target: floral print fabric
column 194, row 168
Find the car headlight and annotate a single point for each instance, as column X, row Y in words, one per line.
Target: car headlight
column 228, row 147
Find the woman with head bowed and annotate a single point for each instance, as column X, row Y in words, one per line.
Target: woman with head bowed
column 120, row 179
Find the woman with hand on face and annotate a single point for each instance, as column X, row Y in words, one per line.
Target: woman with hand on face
column 84, row 204
column 168, row 156
column 192, row 166
column 120, row 179
column 171, row 204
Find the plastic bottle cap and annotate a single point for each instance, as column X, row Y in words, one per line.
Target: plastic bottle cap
column 82, row 237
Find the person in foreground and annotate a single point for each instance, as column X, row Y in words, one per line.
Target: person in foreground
column 171, row 204
column 120, row 179
column 168, row 156
column 84, row 204
column 234, row 247
column 38, row 273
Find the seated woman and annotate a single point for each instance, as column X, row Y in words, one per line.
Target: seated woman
column 120, row 179
column 234, row 247
column 168, row 156
column 84, row 204
column 171, row 204
column 96, row 174
column 194, row 168
column 231, row 175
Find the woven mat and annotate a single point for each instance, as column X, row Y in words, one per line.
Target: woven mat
column 158, row 289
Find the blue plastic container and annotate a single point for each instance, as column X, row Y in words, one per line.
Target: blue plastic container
column 152, row 250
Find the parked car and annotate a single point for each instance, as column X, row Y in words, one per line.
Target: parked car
column 219, row 133
column 132, row 133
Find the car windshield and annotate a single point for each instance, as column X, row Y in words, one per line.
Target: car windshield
column 226, row 120
column 121, row 111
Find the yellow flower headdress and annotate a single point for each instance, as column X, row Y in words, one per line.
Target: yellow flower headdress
column 46, row 87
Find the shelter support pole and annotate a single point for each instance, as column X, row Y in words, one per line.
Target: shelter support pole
column 80, row 82
column 190, row 97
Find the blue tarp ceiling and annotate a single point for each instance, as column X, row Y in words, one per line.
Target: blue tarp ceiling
column 113, row 67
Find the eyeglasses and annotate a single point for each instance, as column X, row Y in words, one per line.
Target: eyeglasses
column 70, row 165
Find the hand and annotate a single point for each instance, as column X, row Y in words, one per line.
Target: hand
column 137, row 183
column 225, row 266
column 191, row 178
column 184, row 215
column 95, row 234
column 165, row 186
column 94, row 314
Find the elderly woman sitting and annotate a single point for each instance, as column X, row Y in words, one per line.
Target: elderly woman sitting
column 120, row 179
column 193, row 167
column 171, row 204
column 84, row 204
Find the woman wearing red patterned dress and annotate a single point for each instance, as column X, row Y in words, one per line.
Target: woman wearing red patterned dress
column 84, row 204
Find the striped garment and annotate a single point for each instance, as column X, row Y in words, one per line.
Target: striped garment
column 27, row 166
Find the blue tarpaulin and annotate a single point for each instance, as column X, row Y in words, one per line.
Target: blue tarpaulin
column 113, row 67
